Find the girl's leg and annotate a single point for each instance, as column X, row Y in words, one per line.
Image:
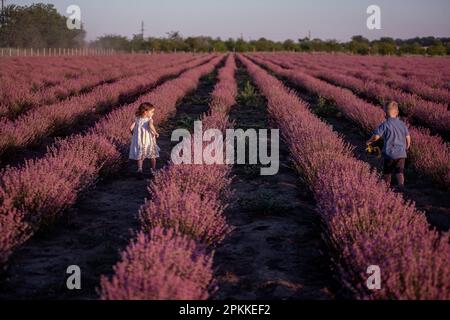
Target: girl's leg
column 153, row 163
column 140, row 165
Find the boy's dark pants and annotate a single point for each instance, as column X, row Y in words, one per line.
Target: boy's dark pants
column 394, row 166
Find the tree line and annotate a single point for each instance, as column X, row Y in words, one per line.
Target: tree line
column 357, row 45
column 37, row 26
column 41, row 26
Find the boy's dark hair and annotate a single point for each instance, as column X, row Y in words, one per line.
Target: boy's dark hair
column 143, row 108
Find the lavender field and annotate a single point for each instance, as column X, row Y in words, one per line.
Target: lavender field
column 69, row 195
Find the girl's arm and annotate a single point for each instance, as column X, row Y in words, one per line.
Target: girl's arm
column 153, row 130
column 132, row 127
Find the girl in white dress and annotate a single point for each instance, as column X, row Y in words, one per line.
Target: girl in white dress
column 143, row 143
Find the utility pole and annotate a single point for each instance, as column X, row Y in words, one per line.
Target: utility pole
column 142, row 30
column 309, row 34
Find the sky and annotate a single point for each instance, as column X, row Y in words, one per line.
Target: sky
column 272, row 19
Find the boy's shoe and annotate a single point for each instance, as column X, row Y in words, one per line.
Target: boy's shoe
column 153, row 172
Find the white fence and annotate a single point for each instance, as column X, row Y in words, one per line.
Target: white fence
column 51, row 52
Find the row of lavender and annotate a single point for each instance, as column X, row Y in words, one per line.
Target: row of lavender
column 421, row 87
column 44, row 72
column 400, row 74
column 430, row 155
column 27, row 83
column 43, row 121
column 171, row 257
column 430, row 114
column 433, row 73
column 18, row 96
column 35, row 194
column 366, row 223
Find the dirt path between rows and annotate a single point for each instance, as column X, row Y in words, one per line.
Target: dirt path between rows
column 426, row 196
column 276, row 250
column 96, row 229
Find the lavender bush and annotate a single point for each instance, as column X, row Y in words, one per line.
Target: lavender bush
column 162, row 265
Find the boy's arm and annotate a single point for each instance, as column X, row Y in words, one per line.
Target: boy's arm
column 374, row 138
column 408, row 138
column 408, row 142
column 377, row 134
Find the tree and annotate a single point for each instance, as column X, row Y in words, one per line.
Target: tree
column 38, row 25
column 230, row 44
column 318, row 45
column 360, row 39
column 139, row 44
column 359, row 45
column 384, row 46
column 413, row 48
column 289, row 45
column 219, row 45
column 118, row 43
column 437, row 48
column 305, row 44
column 174, row 42
column 331, row 46
column 198, row 44
column 242, row 45
column 262, row 44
